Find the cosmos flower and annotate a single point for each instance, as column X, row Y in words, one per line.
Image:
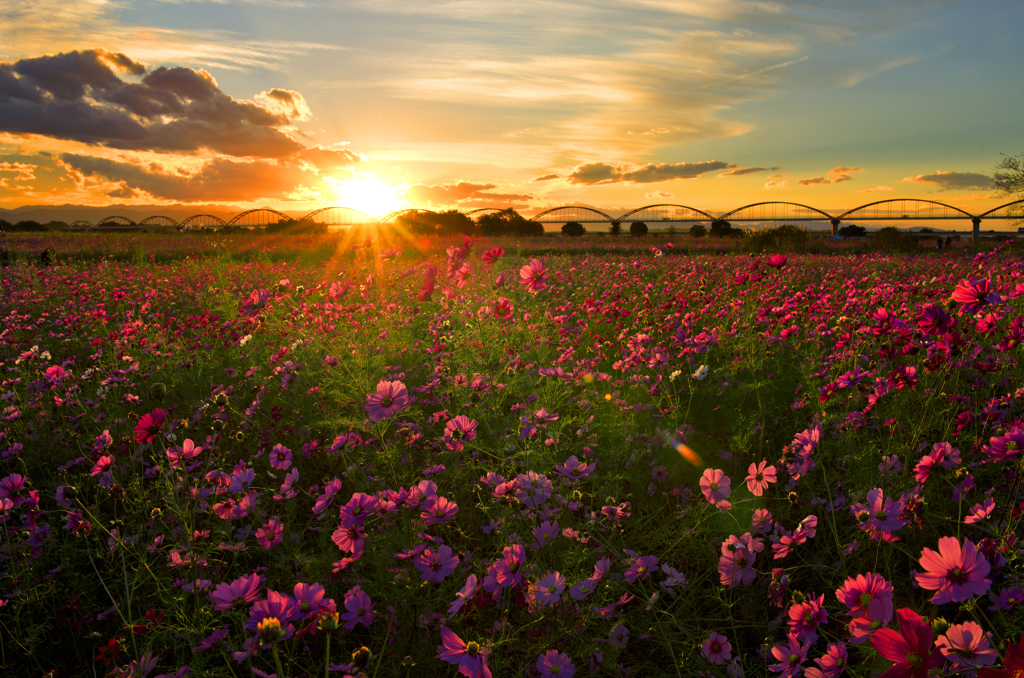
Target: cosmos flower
column 956, row 573
column 911, row 648
column 390, row 398
column 471, row 657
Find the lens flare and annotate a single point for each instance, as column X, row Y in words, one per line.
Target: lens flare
column 688, row 454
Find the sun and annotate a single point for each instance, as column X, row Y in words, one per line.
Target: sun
column 369, row 195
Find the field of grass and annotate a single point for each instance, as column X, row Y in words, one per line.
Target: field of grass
column 326, row 455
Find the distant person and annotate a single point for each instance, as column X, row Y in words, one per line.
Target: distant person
column 45, row 258
column 949, row 241
column 940, row 243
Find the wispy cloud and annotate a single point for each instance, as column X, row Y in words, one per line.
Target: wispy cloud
column 948, row 180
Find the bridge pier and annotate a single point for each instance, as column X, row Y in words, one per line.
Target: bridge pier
column 835, row 227
column 976, row 232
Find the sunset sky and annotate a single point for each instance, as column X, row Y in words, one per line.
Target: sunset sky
column 381, row 104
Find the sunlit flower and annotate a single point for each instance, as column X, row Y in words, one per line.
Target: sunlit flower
column 956, row 573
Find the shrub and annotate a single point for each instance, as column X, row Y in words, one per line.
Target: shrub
column 573, row 229
column 638, row 229
column 785, row 236
column 698, row 231
column 852, row 231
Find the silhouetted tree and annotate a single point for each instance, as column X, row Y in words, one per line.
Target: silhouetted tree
column 638, row 229
column 853, row 231
column 615, row 228
column 508, row 222
column 721, row 228
column 698, row 231
column 573, row 229
column 27, row 225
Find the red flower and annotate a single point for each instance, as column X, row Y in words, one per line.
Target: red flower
column 149, row 425
column 912, row 648
column 109, row 652
column 1013, row 664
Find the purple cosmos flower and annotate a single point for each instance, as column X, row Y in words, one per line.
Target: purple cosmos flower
column 436, row 565
column 238, row 593
column 543, row 534
column 280, row 457
column 457, row 430
column 390, row 399
column 640, row 568
column 549, row 589
column 464, row 595
column 438, row 511
column 717, row 649
column 270, row 534
column 956, row 573
column 573, row 468
column 470, row 657
column 360, row 609
column 554, row 664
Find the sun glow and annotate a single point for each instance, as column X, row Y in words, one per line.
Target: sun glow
column 369, row 195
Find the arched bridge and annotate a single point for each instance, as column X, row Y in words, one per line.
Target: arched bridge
column 893, row 210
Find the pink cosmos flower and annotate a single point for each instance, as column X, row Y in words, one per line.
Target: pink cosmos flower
column 359, row 609
column 759, row 477
column 776, row 261
column 715, row 485
column 508, row 570
column 573, row 468
column 717, row 649
column 187, row 451
column 967, row 646
column 640, row 568
column 974, row 295
column 981, row 511
column 358, row 508
column 502, row 309
column 103, row 464
column 857, row 592
column 311, row 601
column 554, row 664
column 349, row 539
column 390, row 399
column 791, row 657
column 831, row 664
column 935, row 321
column 550, row 588
column 436, row 565
column 438, row 510
column 532, row 276
column 957, row 574
column 465, row 594
column 275, row 604
column 458, row 429
column 238, row 593
column 470, row 657
column 911, row 648
column 280, row 457
column 492, row 255
column 806, row 617
column 149, row 426
column 270, row 535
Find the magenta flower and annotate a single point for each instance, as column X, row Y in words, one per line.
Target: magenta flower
column 149, row 426
column 880, row 517
column 103, row 465
column 238, row 593
column 357, row 509
column 187, row 451
column 543, row 533
column 981, row 511
column 532, row 276
column 776, row 261
column 508, row 569
column 349, row 539
column 911, row 648
column 974, row 295
column 436, row 565
column 640, row 568
column 857, row 592
column 492, row 255
column 359, row 609
column 717, row 649
column 438, row 511
column 967, row 646
column 270, row 535
column 935, row 321
column 275, row 604
column 791, row 657
column 555, row 664
column 458, row 429
column 760, row 475
column 311, row 601
column 470, row 657
column 957, row 574
column 550, row 588
column 715, row 485
column 466, row 593
column 390, row 399
column 831, row 664
column 280, row 457
column 806, row 617
column 573, row 468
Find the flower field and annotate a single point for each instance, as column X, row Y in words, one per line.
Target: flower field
column 330, row 455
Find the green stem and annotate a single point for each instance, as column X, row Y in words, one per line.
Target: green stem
column 327, row 657
column 277, row 660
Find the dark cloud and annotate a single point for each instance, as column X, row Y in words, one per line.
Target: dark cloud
column 740, row 171
column 125, row 192
column 602, row 173
column 836, row 175
column 219, row 179
column 546, row 177
column 953, row 180
column 461, row 193
column 84, row 97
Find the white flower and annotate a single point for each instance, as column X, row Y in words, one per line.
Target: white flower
column 672, row 377
column 244, row 340
column 701, row 372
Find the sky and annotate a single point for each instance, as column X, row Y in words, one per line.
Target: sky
column 530, row 104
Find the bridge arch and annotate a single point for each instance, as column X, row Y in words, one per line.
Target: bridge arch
column 203, row 221
column 81, row 224
column 160, row 221
column 685, row 209
column 778, row 211
column 905, row 208
column 1009, row 212
column 261, row 216
column 571, row 213
column 479, row 210
column 391, row 217
column 115, row 222
column 337, row 215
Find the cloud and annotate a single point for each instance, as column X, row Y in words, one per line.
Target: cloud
column 546, row 177
column 462, row 193
column 659, row 194
column 602, row 173
column 106, row 99
column 877, row 189
column 740, row 171
column 976, row 196
column 949, row 180
column 836, row 175
column 220, row 179
column 777, row 184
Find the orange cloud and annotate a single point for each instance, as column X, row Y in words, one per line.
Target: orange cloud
column 836, row 175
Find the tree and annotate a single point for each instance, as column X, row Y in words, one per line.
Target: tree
column 853, row 231
column 721, row 228
column 698, row 231
column 638, row 229
column 508, row 222
column 1009, row 176
column 573, row 229
column 27, row 225
column 615, row 228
